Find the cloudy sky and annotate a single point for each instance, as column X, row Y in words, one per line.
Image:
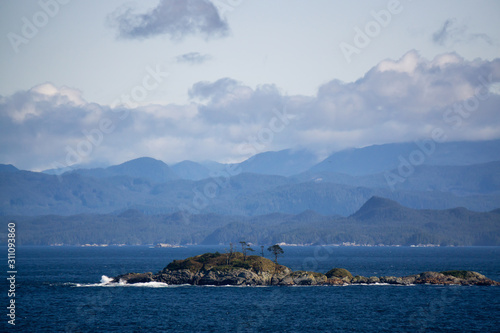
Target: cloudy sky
column 102, row 82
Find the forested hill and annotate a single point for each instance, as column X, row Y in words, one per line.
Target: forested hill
column 32, row 193
column 378, row 221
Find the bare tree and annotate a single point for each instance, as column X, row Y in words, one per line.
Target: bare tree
column 229, row 255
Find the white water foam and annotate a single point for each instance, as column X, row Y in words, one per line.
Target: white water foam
column 108, row 282
column 105, row 279
column 382, row 284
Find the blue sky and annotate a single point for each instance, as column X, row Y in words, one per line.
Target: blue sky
column 102, row 82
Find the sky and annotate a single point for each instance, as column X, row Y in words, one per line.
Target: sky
column 102, row 82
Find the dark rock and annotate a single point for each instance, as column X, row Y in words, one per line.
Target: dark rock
column 135, row 278
column 307, row 278
column 213, row 269
column 335, row 282
column 182, row 276
column 235, row 269
column 391, row 280
column 452, row 277
column 388, row 279
column 407, row 280
column 359, row 279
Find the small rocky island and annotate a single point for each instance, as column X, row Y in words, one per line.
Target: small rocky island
column 238, row 269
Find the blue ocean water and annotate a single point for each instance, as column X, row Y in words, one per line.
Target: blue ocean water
column 58, row 290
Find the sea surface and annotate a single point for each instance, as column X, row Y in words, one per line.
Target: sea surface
column 59, row 289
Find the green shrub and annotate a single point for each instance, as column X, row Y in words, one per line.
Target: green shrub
column 457, row 274
column 240, row 264
column 338, row 273
column 222, row 268
column 184, row 264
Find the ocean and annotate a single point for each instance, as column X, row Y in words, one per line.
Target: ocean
column 59, row 289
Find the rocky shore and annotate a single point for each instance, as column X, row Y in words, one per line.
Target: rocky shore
column 235, row 269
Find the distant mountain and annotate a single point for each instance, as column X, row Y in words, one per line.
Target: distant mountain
column 378, row 221
column 282, row 163
column 379, row 158
column 33, row 193
column 382, row 211
column 459, row 180
column 60, row 171
column 8, row 168
column 190, row 170
column 144, row 168
column 377, row 208
column 336, row 199
column 152, row 187
column 213, row 166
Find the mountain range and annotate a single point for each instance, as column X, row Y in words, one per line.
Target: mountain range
column 457, row 174
column 405, row 193
column 378, row 221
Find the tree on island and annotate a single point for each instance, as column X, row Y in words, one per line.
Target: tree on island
column 262, row 250
column 276, row 250
column 244, row 248
column 229, row 254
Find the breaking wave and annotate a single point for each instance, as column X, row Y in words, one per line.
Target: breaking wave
column 108, row 282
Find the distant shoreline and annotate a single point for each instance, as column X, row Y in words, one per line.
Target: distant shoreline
column 92, row 245
column 281, row 244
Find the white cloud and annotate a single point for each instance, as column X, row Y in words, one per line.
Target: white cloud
column 40, row 100
column 396, row 101
column 407, row 64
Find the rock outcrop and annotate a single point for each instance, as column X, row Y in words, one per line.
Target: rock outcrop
column 235, row 269
column 223, row 269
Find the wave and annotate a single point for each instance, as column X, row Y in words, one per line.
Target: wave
column 383, row 284
column 108, row 282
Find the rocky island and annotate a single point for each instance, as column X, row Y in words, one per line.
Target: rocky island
column 238, row 269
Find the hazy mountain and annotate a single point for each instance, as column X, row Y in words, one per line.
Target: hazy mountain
column 378, row 221
column 460, row 180
column 283, row 163
column 60, row 171
column 379, row 158
column 377, row 208
column 190, row 170
column 213, row 166
column 151, row 187
column 382, row 221
column 330, row 199
column 145, row 168
column 32, row 193
column 8, row 168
